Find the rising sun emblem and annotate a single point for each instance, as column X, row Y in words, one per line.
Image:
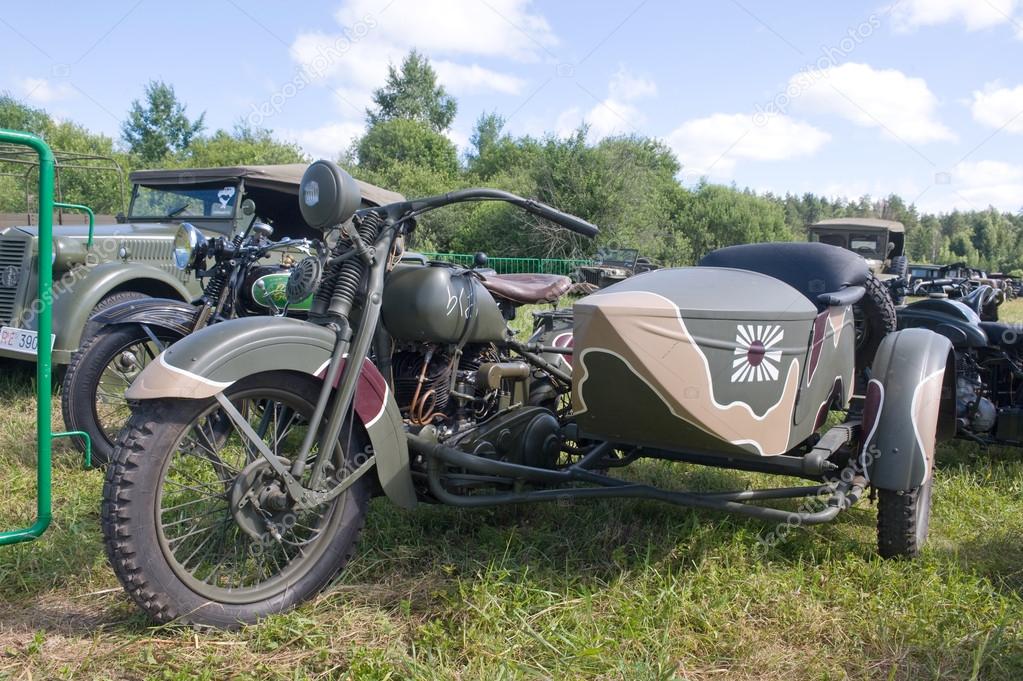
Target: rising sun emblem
column 754, row 358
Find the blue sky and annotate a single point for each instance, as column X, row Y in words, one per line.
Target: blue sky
column 921, row 97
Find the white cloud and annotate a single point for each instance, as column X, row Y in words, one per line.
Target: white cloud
column 459, row 138
column 899, row 105
column 567, row 122
column 628, row 86
column 327, row 141
column 973, row 14
column 999, row 107
column 352, row 61
column 975, row 185
column 495, row 28
column 369, row 39
column 614, row 115
column 42, row 91
column 713, row 145
column 460, row 78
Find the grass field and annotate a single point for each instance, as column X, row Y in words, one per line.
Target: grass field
column 609, row 590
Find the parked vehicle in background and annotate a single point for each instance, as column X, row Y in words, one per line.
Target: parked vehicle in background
column 989, row 363
column 133, row 259
column 880, row 242
column 239, row 282
column 611, row 265
column 922, row 272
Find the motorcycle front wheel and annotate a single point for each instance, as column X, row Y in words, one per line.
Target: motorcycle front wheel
column 92, row 395
column 198, row 527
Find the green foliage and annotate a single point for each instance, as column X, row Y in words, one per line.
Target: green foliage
column 159, row 127
column 413, row 94
column 244, row 145
column 400, row 140
column 95, row 182
column 717, row 216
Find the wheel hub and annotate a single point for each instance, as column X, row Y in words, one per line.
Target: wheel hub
column 127, row 361
column 259, row 503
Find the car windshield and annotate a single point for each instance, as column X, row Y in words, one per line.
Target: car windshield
column 617, row 256
column 865, row 244
column 192, row 201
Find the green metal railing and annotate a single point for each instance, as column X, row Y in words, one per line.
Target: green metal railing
column 516, row 265
column 87, row 211
column 44, row 366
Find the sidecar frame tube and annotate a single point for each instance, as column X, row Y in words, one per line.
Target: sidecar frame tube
column 842, row 494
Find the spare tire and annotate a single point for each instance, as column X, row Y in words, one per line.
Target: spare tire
column 875, row 319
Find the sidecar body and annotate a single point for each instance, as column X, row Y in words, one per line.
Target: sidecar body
column 705, row 368
column 741, row 357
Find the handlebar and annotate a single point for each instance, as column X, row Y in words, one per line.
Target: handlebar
column 408, row 209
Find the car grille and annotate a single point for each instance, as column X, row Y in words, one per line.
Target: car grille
column 12, row 253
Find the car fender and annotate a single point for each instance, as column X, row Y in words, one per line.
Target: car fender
column 73, row 302
column 208, row 361
column 909, row 405
column 162, row 313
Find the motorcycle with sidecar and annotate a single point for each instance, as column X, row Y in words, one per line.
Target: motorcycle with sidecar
column 240, row 485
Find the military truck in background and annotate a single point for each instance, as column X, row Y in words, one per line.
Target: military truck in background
column 880, row 242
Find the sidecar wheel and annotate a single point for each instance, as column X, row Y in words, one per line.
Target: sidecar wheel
column 196, row 525
column 903, row 519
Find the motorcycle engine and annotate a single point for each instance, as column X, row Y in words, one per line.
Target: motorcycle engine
column 477, row 403
column 432, row 389
column 974, row 410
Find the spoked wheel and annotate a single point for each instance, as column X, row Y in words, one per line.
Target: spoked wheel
column 198, row 525
column 92, row 398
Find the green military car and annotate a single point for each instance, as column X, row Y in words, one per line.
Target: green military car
column 880, row 242
column 134, row 256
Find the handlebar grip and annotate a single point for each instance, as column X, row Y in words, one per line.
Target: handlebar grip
column 570, row 222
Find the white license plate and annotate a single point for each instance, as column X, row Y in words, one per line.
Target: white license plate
column 23, row 341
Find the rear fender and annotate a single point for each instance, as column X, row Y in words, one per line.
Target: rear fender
column 162, row 313
column 909, row 406
column 212, row 359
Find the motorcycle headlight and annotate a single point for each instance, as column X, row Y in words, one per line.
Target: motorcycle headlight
column 189, row 246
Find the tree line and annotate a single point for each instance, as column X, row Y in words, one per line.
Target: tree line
column 628, row 185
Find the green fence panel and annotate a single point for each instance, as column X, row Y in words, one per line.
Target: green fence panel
column 501, row 265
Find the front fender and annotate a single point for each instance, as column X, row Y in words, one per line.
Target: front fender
column 163, row 313
column 212, row 359
column 909, row 406
column 74, row 301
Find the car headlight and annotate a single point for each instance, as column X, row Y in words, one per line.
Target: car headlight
column 189, row 246
column 67, row 253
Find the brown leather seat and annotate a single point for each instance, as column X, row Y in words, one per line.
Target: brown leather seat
column 527, row 289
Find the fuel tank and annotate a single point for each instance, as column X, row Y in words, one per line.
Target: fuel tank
column 439, row 304
column 708, row 359
column 950, row 318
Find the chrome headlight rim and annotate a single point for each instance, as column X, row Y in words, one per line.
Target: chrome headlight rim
column 189, row 244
